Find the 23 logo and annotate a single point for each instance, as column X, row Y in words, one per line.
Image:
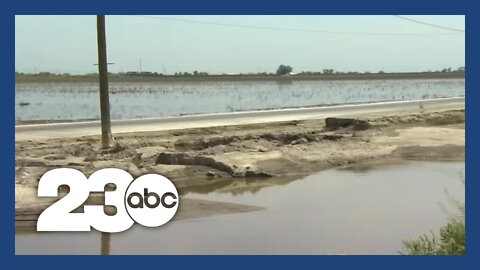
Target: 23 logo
column 151, row 200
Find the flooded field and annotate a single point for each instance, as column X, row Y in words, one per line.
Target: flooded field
column 330, row 212
column 74, row 101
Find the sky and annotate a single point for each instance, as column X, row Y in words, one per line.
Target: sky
column 240, row 44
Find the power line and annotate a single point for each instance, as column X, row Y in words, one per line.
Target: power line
column 259, row 27
column 429, row 24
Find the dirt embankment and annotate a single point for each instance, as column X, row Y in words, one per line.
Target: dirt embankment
column 246, row 157
column 197, row 156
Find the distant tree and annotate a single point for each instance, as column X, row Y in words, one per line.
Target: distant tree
column 328, row 71
column 283, row 70
column 195, row 73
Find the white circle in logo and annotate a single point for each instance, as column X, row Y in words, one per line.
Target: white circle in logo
column 151, row 200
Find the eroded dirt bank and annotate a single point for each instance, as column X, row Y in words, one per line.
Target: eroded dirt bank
column 247, row 156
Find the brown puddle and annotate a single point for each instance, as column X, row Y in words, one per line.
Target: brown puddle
column 330, row 212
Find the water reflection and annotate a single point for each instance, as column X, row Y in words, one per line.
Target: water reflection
column 240, row 185
column 331, row 212
column 74, row 101
column 105, row 248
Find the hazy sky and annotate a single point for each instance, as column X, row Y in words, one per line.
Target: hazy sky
column 219, row 44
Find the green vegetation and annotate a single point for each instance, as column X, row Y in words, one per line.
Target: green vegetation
column 450, row 241
column 188, row 74
column 284, row 70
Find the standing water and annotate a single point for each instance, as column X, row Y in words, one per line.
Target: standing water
column 330, row 212
column 79, row 100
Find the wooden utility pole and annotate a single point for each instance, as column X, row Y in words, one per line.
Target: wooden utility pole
column 107, row 138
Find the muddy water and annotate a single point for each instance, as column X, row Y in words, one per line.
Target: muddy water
column 73, row 101
column 330, row 212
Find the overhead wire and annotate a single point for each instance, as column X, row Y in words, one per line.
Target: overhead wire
column 259, row 27
column 430, row 24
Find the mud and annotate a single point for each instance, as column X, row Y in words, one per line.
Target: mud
column 202, row 157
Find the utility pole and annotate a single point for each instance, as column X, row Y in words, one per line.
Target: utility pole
column 107, row 138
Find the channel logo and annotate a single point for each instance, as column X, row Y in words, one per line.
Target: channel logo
column 150, row 200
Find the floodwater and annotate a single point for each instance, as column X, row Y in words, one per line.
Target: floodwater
column 330, row 212
column 80, row 100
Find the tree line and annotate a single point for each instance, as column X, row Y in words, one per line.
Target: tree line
column 282, row 70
